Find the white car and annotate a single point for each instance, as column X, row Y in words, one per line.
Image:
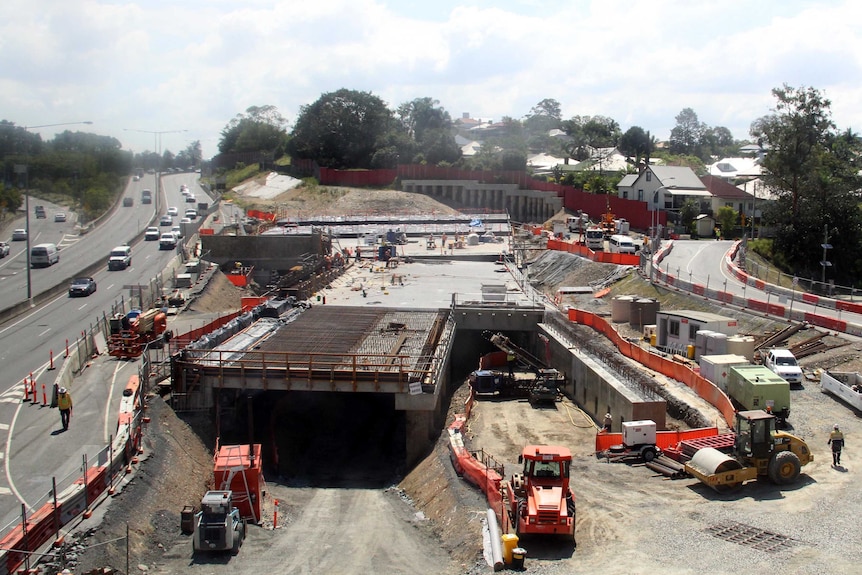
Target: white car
column 172, row 211
column 152, row 234
column 177, row 231
column 186, row 221
column 167, row 241
column 782, row 362
column 60, row 217
column 19, row 235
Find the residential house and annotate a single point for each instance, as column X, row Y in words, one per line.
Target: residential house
column 727, row 195
column 665, row 188
column 735, row 168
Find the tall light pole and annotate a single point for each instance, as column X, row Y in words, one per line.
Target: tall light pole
column 22, row 169
column 157, row 144
column 655, row 240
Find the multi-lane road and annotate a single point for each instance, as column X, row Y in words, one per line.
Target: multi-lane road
column 31, row 448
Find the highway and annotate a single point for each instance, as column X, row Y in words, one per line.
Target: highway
column 33, row 448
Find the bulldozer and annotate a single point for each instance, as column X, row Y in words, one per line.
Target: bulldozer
column 218, row 525
column 759, row 452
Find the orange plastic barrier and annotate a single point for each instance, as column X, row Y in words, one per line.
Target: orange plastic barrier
column 663, row 439
column 670, row 368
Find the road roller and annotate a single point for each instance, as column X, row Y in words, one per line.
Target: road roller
column 759, row 451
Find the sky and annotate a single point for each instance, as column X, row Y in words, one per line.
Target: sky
column 158, row 75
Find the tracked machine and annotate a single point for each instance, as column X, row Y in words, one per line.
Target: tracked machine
column 543, row 387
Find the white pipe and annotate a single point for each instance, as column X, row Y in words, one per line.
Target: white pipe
column 496, row 541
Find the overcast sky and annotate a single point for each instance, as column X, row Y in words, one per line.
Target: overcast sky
column 192, row 65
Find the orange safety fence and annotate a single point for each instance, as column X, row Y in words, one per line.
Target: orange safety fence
column 600, row 256
column 663, row 439
column 674, row 369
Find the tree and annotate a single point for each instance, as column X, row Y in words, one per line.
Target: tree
column 260, row 129
column 726, row 219
column 342, row 129
column 637, row 143
column 428, row 128
column 687, row 214
column 813, row 170
column 686, row 136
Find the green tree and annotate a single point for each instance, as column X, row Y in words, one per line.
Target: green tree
column 686, row 136
column 544, row 117
column 428, row 130
column 637, row 143
column 813, row 169
column 727, row 219
column 260, row 128
column 342, row 129
column 687, row 214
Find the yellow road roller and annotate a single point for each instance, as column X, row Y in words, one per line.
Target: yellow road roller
column 759, row 451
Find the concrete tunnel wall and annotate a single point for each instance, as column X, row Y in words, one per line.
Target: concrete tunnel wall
column 265, row 252
column 598, row 391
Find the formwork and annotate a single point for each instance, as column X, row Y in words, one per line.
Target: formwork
column 325, row 348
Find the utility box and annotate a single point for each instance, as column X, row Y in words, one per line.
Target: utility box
column 757, row 387
column 639, row 432
column 716, row 368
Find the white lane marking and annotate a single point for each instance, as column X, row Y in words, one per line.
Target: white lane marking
column 4, row 426
column 82, row 306
column 44, row 332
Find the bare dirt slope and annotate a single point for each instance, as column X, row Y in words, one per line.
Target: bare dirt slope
column 629, row 521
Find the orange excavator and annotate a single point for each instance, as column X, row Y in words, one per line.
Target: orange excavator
column 133, row 332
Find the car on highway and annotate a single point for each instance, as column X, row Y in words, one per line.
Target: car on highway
column 19, row 235
column 167, row 241
column 173, row 211
column 4, row 249
column 40, row 212
column 178, row 231
column 60, row 217
column 191, row 213
column 186, row 220
column 190, row 199
column 120, row 258
column 82, row 287
column 166, row 220
column 128, row 202
column 152, row 234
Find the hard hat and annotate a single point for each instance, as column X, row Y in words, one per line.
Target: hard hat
column 835, row 426
column 62, row 390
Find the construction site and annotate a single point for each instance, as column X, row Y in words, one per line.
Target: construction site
column 357, row 388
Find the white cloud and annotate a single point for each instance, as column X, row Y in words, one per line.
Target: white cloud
column 164, row 66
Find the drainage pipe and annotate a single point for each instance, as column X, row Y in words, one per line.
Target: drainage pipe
column 496, row 541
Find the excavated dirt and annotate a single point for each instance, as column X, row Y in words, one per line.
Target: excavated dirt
column 437, row 510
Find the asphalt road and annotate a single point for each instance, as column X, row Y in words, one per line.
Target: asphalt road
column 34, row 452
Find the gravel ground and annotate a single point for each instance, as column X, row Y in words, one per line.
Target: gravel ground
column 629, row 520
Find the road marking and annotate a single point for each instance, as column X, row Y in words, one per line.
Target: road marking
column 5, row 491
column 110, row 287
column 3, row 427
column 82, row 306
column 44, row 332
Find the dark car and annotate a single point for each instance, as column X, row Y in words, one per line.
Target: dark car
column 82, row 287
column 40, row 212
column 4, row 249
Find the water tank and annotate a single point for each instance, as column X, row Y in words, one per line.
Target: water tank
column 741, row 345
column 716, row 344
column 621, row 307
column 643, row 311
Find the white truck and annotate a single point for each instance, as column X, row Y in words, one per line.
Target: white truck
column 782, row 362
column 845, row 385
